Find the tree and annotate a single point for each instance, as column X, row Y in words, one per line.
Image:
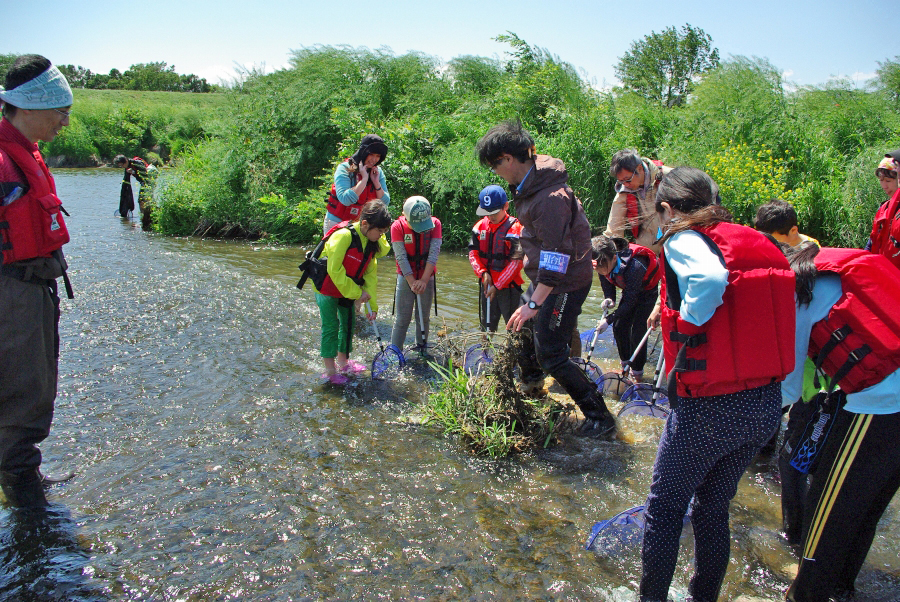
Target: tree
column 664, row 67
column 888, row 78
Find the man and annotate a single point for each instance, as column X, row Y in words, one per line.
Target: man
column 495, row 257
column 634, row 207
column 556, row 242
column 36, row 103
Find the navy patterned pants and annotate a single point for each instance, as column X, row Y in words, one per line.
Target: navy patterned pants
column 707, row 444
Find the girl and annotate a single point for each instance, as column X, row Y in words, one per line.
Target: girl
column 357, row 181
column 416, row 239
column 847, row 319
column 351, row 250
column 635, row 270
column 728, row 326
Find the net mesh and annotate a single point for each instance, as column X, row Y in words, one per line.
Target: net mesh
column 639, row 399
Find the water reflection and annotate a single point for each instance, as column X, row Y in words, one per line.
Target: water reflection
column 213, row 465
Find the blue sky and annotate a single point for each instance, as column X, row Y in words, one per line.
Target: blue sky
column 809, row 41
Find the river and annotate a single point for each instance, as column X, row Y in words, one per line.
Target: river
column 213, row 465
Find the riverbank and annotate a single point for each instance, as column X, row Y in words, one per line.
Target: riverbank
column 155, row 125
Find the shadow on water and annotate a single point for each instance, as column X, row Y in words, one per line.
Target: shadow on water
column 41, row 557
column 213, row 465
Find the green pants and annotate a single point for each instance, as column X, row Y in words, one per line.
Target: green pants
column 337, row 325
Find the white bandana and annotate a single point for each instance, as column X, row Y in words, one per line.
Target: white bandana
column 49, row 90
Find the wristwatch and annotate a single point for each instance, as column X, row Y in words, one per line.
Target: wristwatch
column 533, row 305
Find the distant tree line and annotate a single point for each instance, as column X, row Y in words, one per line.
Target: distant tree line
column 157, row 76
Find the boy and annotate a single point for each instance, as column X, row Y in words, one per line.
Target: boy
column 779, row 219
column 416, row 239
column 496, row 257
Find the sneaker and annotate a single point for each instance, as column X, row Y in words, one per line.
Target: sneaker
column 597, row 428
column 352, row 368
column 335, row 379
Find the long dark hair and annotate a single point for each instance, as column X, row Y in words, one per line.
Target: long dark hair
column 801, row 259
column 692, row 192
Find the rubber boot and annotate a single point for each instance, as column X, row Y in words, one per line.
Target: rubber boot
column 23, row 490
column 598, row 421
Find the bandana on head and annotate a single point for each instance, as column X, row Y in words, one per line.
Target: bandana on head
column 888, row 164
column 49, row 90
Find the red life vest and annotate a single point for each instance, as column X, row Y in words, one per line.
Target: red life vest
column 651, row 277
column 858, row 343
column 886, row 230
column 355, row 262
column 32, row 225
column 350, row 212
column 633, row 207
column 493, row 247
column 749, row 340
column 417, row 248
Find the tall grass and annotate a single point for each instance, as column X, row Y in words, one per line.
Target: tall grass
column 266, row 166
column 154, row 125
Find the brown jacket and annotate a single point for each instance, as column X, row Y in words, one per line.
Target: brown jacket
column 648, row 220
column 545, row 208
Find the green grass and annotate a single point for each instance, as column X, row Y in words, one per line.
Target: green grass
column 154, row 125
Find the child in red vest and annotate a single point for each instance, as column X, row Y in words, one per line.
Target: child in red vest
column 496, row 257
column 416, row 240
column 352, row 249
column 635, row 270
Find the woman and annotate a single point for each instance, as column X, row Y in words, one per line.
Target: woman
column 885, row 236
column 847, row 319
column 635, row 270
column 727, row 293
column 357, row 181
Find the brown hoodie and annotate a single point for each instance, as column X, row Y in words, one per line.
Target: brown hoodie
column 545, row 208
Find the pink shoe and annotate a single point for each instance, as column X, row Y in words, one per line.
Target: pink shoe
column 352, row 367
column 335, row 379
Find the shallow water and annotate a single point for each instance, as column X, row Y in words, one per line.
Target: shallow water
column 213, row 465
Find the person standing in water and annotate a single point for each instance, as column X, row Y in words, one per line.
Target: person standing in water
column 727, row 293
column 556, row 242
column 357, row 181
column 36, row 105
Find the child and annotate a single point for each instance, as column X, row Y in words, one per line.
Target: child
column 779, row 219
column 635, row 270
column 847, row 320
column 416, row 239
column 496, row 257
column 351, row 249
column 728, row 326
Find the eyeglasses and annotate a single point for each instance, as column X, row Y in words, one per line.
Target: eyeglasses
column 63, row 113
column 628, row 180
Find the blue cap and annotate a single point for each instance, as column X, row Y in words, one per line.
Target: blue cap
column 491, row 200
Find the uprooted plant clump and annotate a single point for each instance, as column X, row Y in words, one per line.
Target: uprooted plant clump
column 487, row 410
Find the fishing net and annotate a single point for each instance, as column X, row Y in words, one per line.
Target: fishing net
column 477, row 358
column 626, row 529
column 615, row 534
column 387, row 362
column 644, row 399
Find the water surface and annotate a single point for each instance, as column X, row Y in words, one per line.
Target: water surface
column 213, row 465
